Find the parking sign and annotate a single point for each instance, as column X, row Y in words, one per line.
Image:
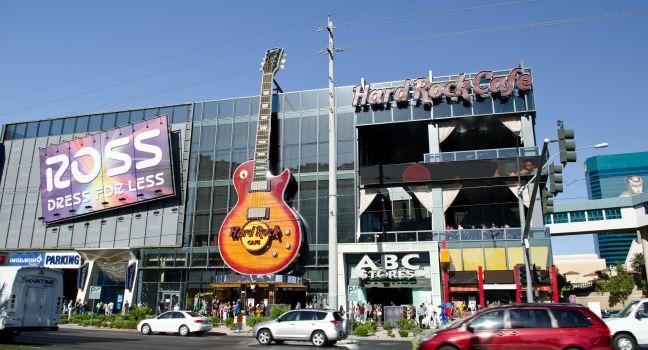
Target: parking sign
column 95, row 292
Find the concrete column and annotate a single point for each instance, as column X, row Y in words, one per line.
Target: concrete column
column 438, row 217
column 341, row 282
column 433, row 138
column 528, row 136
column 129, row 294
column 82, row 294
column 435, row 277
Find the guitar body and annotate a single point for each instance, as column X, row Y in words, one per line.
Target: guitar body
column 257, row 244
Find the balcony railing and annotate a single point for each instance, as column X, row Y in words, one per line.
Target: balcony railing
column 469, row 235
column 480, row 154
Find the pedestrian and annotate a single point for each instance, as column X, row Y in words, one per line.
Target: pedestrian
column 126, row 308
column 421, row 314
column 100, row 307
column 342, row 310
column 361, row 311
column 239, row 322
column 111, row 307
column 298, row 306
column 176, row 307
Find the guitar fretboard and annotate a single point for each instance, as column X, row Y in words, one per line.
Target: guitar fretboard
column 262, row 148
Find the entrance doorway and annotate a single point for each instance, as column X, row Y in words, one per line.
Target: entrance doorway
column 168, row 300
column 385, row 296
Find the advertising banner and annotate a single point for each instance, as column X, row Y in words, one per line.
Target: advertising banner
column 27, row 259
column 106, row 170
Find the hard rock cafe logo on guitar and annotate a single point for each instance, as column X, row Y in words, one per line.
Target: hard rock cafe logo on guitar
column 255, row 235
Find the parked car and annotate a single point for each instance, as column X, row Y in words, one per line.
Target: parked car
column 629, row 329
column 181, row 322
column 523, row 326
column 609, row 314
column 320, row 327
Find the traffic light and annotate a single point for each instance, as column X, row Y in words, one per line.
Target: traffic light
column 547, row 202
column 522, row 274
column 567, row 148
column 555, row 178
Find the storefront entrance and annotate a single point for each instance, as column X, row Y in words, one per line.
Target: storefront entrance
column 387, row 296
column 168, row 300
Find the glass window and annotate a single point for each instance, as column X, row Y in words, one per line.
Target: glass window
column 489, row 321
column 503, row 104
column 207, row 138
column 122, row 118
column 197, row 111
column 20, row 131
column 95, row 123
column 547, row 219
column 595, row 215
column 560, row 218
column 254, row 106
column 529, row 318
column 343, row 96
column 81, row 124
column 577, row 216
column 345, row 136
column 32, row 129
column 178, row 315
column 165, row 315
column 210, row 110
column 646, row 208
column 613, row 213
column 441, row 109
column 10, row 131
column 461, row 108
column 571, row 319
column 108, row 121
column 57, row 127
column 483, row 105
column 291, row 102
column 240, row 137
column 323, row 142
column 224, row 136
column 309, row 100
column 44, row 128
column 226, row 108
column 242, row 107
column 136, row 116
column 150, row 113
column 180, row 114
column 291, row 316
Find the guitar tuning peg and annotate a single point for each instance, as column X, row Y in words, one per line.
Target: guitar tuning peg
column 282, row 66
column 283, row 61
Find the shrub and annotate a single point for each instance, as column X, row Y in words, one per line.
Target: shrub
column 278, row 310
column 405, row 324
column 372, row 325
column 388, row 326
column 139, row 313
column 229, row 323
column 254, row 320
column 390, row 333
column 365, row 329
column 403, row 332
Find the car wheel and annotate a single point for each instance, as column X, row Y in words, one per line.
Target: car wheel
column 264, row 337
column 447, row 347
column 146, row 329
column 184, row 330
column 624, row 342
column 319, row 339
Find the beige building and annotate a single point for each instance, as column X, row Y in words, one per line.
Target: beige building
column 579, row 268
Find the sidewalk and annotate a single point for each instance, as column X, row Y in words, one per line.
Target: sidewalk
column 247, row 332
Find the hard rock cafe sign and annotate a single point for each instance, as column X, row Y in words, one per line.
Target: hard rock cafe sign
column 422, row 90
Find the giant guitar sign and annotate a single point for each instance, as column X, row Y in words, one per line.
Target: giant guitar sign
column 261, row 234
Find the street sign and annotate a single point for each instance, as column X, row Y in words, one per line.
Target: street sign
column 353, row 292
column 95, row 292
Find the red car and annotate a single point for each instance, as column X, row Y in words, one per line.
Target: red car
column 524, row 326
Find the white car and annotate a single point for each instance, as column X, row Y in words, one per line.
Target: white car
column 629, row 329
column 182, row 322
column 320, row 327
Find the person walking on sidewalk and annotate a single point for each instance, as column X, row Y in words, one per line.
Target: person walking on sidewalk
column 239, row 322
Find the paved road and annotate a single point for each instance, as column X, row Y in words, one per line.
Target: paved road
column 72, row 339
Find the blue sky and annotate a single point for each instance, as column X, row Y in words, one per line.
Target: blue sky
column 589, row 74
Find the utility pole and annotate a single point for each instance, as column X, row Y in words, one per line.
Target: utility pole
column 332, row 210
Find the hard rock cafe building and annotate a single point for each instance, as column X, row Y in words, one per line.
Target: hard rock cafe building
column 427, row 171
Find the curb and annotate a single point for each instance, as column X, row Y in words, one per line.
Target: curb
column 74, row 326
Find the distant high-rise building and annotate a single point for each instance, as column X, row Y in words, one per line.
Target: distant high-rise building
column 612, row 176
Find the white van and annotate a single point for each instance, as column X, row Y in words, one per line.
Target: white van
column 629, row 328
column 30, row 299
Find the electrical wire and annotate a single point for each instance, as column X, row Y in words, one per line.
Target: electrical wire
column 495, row 29
column 435, row 13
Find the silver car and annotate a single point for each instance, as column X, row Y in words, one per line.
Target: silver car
column 320, row 327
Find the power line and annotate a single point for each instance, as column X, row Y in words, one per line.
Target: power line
column 497, row 29
column 434, row 13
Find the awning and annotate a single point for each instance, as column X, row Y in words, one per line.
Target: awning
column 506, row 286
column 463, row 277
column 499, row 277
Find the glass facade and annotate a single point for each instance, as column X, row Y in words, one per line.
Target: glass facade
column 611, row 176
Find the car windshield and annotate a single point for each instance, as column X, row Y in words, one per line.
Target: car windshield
column 627, row 310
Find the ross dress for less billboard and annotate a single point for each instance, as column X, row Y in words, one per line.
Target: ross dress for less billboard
column 110, row 169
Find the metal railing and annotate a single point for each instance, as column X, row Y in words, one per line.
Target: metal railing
column 465, row 235
column 481, row 154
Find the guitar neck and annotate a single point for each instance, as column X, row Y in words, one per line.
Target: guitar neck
column 262, row 148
